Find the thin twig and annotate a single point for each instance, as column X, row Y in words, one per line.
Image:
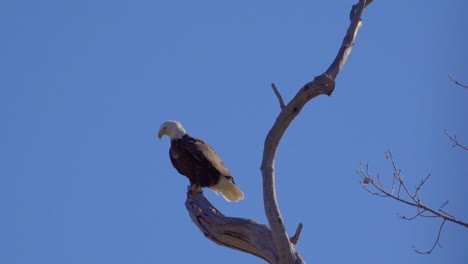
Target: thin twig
column 455, row 140
column 436, row 242
column 409, row 199
column 457, row 82
column 420, row 213
column 418, row 188
column 444, row 204
column 381, row 191
column 278, row 95
column 442, row 210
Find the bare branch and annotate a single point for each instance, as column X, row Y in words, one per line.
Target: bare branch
column 418, row 188
column 444, row 212
column 294, row 239
column 353, row 11
column 411, row 218
column 348, row 41
column 411, row 200
column 444, row 204
column 238, row 233
column 278, row 95
column 407, row 197
column 455, row 140
column 436, row 242
column 457, row 82
column 322, row 84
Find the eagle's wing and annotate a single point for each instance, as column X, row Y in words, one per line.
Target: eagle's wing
column 208, row 158
column 205, row 154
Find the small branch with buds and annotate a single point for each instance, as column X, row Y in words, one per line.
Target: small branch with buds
column 455, row 141
column 400, row 192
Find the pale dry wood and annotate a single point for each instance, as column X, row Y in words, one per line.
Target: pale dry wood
column 247, row 235
column 278, row 95
column 237, row 233
column 295, row 238
column 323, row 84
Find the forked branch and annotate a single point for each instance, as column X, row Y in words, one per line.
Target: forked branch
column 322, row 84
column 245, row 234
column 455, row 141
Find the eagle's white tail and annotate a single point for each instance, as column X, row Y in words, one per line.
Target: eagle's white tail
column 228, row 190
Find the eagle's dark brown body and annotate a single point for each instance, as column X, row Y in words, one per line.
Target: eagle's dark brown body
column 197, row 161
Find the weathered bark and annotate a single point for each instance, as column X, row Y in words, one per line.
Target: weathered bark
column 238, row 233
column 272, row 243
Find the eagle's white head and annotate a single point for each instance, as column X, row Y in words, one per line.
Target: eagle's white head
column 173, row 129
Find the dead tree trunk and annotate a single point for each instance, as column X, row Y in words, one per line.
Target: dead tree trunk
column 272, row 242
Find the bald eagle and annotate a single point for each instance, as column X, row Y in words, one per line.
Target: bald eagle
column 197, row 161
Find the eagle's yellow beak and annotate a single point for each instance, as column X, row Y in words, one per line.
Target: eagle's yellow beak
column 161, row 133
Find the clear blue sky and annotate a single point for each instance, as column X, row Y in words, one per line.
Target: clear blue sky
column 85, row 86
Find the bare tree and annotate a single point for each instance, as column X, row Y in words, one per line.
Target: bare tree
column 271, row 242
